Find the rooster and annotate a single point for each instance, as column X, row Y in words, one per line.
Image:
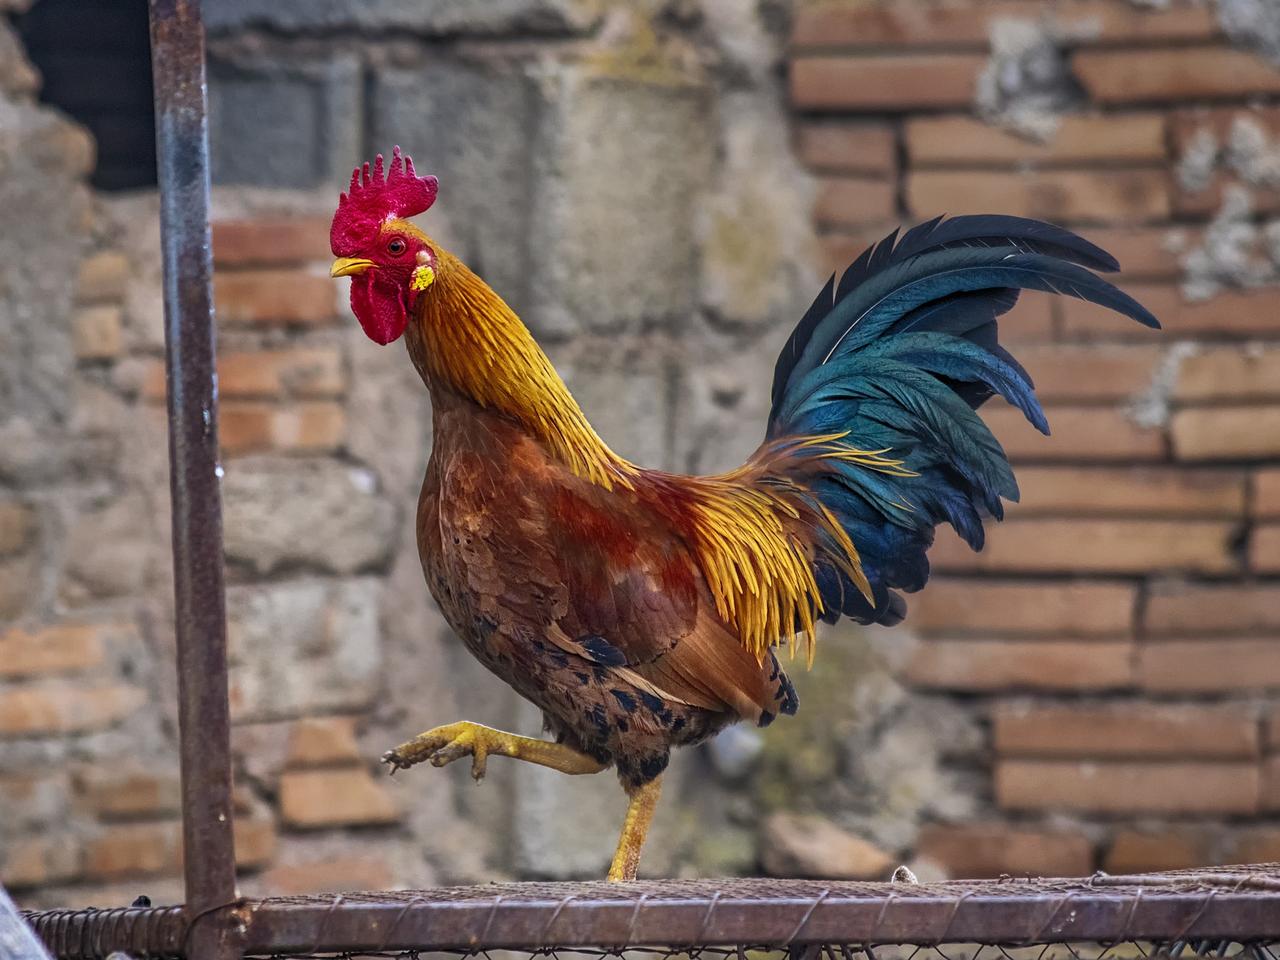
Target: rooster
column 641, row 610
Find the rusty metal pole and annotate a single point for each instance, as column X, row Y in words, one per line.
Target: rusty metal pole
column 182, row 148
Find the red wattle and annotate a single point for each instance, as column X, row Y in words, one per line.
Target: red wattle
column 382, row 313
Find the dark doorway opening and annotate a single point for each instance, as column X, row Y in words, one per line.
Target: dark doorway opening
column 95, row 58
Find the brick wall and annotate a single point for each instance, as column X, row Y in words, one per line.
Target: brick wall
column 1120, row 635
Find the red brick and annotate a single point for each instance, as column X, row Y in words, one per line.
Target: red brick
column 986, row 665
column 273, row 241
column 1266, row 493
column 1271, row 784
column 1097, row 434
column 135, row 850
column 1170, row 848
column 859, row 148
column 1087, row 372
column 1264, row 548
column 1238, row 313
column 334, row 874
column 103, row 278
column 300, row 372
column 1088, row 545
column 1230, row 373
column 1187, row 125
column 1272, row 731
column 1251, row 845
column 1227, row 433
column 874, row 84
column 322, row 741
column 255, row 842
column 34, row 800
column 273, row 297
column 62, row 708
column 1129, row 195
column 1079, row 139
column 1173, row 75
column 38, row 861
column 17, row 525
column 980, row 850
column 841, row 248
column 1127, row 729
column 304, row 372
column 60, row 648
column 1146, row 252
column 1204, row 203
column 1209, row 666
column 847, row 201
column 331, row 798
column 915, row 24
column 989, row 608
column 1121, row 786
column 1199, row 609
column 1130, row 492
column 97, row 333
column 246, row 427
column 122, row 794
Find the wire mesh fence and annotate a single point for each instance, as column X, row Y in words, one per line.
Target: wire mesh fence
column 1228, row 912
column 1134, row 950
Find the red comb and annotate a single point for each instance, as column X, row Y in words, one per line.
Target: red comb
column 373, row 197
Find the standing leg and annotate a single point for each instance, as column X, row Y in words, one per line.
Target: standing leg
column 626, row 861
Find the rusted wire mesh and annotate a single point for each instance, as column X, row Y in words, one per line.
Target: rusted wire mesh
column 1226, row 912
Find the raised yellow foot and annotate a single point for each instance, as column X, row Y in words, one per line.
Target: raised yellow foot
column 626, row 861
column 453, row 741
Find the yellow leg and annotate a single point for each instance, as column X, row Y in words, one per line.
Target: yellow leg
column 445, row 744
column 626, row 861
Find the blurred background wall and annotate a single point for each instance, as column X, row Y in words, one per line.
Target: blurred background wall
column 659, row 188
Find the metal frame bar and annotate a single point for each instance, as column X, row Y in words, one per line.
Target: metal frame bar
column 1233, row 904
column 204, row 722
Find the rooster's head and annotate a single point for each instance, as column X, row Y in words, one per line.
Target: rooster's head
column 389, row 260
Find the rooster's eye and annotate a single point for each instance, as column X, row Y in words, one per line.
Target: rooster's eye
column 396, row 247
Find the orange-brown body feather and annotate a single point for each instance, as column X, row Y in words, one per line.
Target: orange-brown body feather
column 577, row 577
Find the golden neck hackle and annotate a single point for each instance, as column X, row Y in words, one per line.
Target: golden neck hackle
column 466, row 339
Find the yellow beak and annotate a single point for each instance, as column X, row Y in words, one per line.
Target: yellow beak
column 350, row 266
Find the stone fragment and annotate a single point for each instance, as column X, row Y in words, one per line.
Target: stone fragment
column 37, row 861
column 322, row 741
column 255, row 842
column 34, row 800
column 334, row 798
column 17, row 75
column 58, row 648
column 17, row 523
column 615, row 233
column 134, row 850
column 98, row 332
column 124, row 794
column 421, row 17
column 107, row 551
column 284, row 121
column 103, row 278
column 64, row 708
column 800, row 845
column 313, row 512
column 303, row 646
column 329, row 874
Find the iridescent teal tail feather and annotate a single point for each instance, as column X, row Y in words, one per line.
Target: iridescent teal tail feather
column 898, row 356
